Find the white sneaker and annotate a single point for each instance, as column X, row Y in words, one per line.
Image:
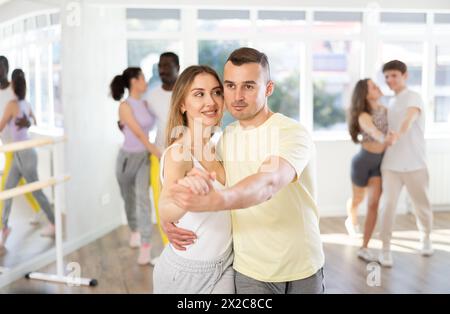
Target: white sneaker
column 5, row 234
column 385, row 259
column 154, row 260
column 49, row 231
column 135, row 240
column 366, row 255
column 353, row 230
column 426, row 246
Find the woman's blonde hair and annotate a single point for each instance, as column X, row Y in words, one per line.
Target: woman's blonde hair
column 180, row 90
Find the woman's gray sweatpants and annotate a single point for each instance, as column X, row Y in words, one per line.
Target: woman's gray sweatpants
column 174, row 274
column 25, row 165
column 133, row 175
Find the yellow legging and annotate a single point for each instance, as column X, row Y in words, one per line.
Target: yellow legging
column 9, row 157
column 156, row 189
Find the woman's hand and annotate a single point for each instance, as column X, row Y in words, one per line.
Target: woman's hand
column 178, row 237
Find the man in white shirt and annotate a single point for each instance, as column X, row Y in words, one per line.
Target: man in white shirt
column 404, row 163
column 158, row 98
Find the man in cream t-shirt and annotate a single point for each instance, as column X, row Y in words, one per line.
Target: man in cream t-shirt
column 269, row 165
column 404, row 163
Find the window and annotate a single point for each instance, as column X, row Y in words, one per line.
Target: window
column 342, row 22
column 145, row 54
column 410, row 53
column 155, row 20
column 223, row 20
column 442, row 84
column 316, row 56
column 281, row 21
column 30, row 44
column 336, row 69
column 401, row 24
column 46, row 114
column 56, row 73
column 285, row 72
column 215, row 53
column 403, row 18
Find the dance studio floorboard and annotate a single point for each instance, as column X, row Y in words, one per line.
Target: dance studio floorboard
column 113, row 263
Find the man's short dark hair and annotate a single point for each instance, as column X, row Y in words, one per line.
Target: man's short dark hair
column 172, row 55
column 249, row 55
column 395, row 65
column 19, row 84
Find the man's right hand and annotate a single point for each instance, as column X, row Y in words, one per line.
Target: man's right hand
column 120, row 125
column 23, row 122
column 178, row 237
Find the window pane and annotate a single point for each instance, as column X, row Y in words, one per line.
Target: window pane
column 31, row 92
column 223, row 20
column 285, row 72
column 336, row 69
column 281, row 22
column 145, row 54
column 30, row 23
column 442, row 18
column 341, row 22
column 41, row 21
column 214, row 53
column 410, row 53
column 442, row 109
column 402, row 23
column 55, row 18
column 7, row 31
column 46, row 109
column 167, row 20
column 442, row 84
column 18, row 27
column 408, row 18
column 58, row 109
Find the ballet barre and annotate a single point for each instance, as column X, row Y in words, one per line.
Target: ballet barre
column 13, row 147
column 55, row 182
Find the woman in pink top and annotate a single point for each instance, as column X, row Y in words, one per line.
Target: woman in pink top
column 25, row 161
column 133, row 163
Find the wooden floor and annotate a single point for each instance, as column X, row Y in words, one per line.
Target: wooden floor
column 113, row 263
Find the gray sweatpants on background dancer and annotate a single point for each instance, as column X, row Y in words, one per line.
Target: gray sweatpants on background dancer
column 25, row 165
column 133, row 175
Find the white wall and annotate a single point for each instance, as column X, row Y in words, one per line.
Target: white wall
column 93, row 52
